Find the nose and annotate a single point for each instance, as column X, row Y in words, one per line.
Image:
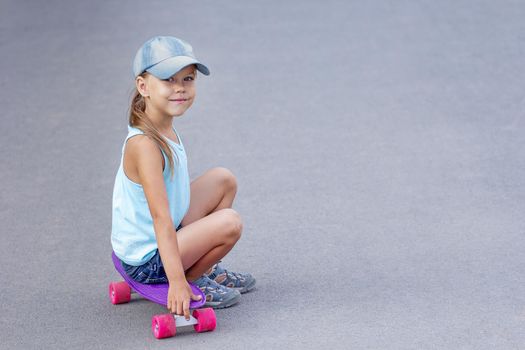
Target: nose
column 178, row 86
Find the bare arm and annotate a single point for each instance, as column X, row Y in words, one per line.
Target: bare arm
column 148, row 159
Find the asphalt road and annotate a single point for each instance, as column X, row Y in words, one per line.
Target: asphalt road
column 378, row 146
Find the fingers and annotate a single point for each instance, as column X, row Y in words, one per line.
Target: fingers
column 180, row 308
column 172, row 306
column 186, row 307
column 179, row 304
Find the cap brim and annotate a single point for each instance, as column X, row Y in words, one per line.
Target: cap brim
column 170, row 66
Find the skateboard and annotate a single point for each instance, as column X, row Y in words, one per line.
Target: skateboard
column 162, row 326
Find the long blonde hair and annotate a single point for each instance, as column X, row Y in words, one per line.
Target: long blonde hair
column 139, row 120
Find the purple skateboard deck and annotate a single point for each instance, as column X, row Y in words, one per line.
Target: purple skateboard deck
column 158, row 293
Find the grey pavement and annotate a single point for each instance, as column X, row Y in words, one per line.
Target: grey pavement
column 379, row 148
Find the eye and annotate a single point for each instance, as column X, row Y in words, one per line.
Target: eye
column 189, row 78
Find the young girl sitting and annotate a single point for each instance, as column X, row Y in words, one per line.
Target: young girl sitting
column 164, row 228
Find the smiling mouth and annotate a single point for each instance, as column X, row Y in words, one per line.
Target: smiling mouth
column 179, row 100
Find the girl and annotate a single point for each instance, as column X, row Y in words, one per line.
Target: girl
column 164, row 229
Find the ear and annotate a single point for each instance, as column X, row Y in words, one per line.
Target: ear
column 142, row 86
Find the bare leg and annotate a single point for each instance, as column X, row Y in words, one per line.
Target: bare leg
column 214, row 190
column 205, row 241
column 210, row 228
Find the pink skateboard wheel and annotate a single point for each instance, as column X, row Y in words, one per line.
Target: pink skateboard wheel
column 206, row 319
column 119, row 292
column 163, row 326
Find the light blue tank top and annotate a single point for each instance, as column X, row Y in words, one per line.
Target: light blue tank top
column 132, row 233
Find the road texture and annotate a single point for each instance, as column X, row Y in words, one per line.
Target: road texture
column 379, row 148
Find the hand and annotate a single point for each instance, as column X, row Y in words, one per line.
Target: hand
column 179, row 296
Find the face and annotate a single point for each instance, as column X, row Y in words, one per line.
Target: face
column 169, row 97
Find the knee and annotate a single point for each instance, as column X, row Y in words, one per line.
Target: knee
column 226, row 178
column 233, row 225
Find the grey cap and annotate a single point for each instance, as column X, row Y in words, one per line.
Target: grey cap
column 164, row 56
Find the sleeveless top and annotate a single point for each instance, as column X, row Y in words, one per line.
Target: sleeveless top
column 132, row 233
